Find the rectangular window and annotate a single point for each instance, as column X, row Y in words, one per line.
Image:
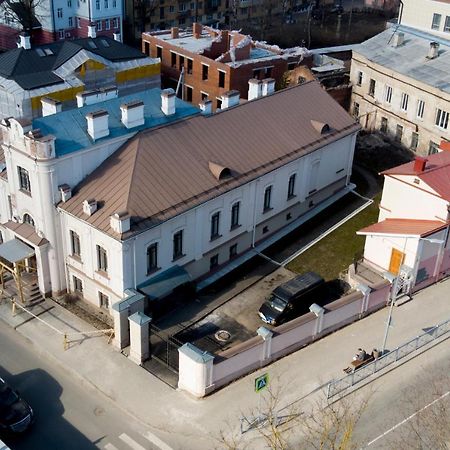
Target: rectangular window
column 204, row 96
column 442, row 119
column 116, row 23
column 103, row 300
column 215, row 225
column 188, row 94
column 257, row 73
column 213, row 262
column 221, row 79
column 267, row 198
column 433, row 148
column 447, row 24
column 420, row 108
column 384, row 125
column 97, row 4
column 24, row 180
column 399, row 133
column 102, row 259
column 161, row 12
column 106, row 4
column 152, row 257
column 171, row 8
column 205, row 70
column 70, row 22
column 291, row 186
column 414, row 141
column 388, row 94
column 75, row 244
column 98, row 24
column 189, row 65
column 61, row 34
column 235, row 215
column 372, row 87
column 107, row 24
column 78, row 22
column 69, row 3
column 114, row 3
column 356, row 110
column 59, row 12
column 218, row 103
column 182, row 7
column 404, row 102
column 181, row 62
column 77, row 284
column 359, row 78
column 173, row 59
column 178, row 244
column 159, row 52
column 233, row 251
column 436, row 22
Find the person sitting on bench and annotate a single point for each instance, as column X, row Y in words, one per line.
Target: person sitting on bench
column 360, row 355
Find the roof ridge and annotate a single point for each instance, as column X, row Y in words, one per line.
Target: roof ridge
column 134, row 141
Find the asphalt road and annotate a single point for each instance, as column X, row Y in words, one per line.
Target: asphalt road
column 69, row 414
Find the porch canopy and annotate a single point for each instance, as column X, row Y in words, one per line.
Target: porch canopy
column 165, row 282
column 15, row 251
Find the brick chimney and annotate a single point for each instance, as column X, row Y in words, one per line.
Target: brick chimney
column 174, row 32
column 420, row 164
column 229, row 99
column 197, row 30
column 168, row 102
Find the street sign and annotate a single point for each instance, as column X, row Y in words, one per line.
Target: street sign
column 261, row 382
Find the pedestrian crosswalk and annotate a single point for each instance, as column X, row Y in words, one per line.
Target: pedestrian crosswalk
column 143, row 441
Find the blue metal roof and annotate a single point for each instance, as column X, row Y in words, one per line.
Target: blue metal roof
column 70, row 127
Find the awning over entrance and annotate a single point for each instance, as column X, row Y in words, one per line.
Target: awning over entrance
column 165, row 282
column 15, row 251
column 25, row 231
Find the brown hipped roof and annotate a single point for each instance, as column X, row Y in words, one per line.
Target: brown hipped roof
column 410, row 227
column 163, row 172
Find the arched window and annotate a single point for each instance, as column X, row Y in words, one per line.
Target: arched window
column 28, row 219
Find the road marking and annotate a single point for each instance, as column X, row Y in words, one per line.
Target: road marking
column 155, row 440
column 131, row 442
column 110, row 447
column 408, row 418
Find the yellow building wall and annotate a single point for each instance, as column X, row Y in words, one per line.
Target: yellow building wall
column 63, row 96
column 138, row 72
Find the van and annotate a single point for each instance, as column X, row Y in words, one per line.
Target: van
column 292, row 298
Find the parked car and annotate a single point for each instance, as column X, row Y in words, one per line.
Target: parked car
column 292, row 298
column 16, row 414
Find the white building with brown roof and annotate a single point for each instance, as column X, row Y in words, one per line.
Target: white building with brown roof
column 411, row 237
column 183, row 200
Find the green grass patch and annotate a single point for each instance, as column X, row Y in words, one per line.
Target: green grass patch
column 336, row 252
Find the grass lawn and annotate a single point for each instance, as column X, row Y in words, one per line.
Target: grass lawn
column 336, row 252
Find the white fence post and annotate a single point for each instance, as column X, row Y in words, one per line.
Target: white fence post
column 266, row 334
column 139, row 337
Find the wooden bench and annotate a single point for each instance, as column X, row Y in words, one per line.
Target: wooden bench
column 355, row 365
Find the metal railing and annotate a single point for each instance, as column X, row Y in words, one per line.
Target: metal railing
column 335, row 387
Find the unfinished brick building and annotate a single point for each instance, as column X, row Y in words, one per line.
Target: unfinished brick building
column 216, row 61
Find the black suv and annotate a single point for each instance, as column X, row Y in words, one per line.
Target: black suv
column 16, row 414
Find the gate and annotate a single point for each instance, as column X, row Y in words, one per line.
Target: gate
column 164, row 348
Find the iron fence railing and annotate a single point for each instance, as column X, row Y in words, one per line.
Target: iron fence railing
column 335, row 387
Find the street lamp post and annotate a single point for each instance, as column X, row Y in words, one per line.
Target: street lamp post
column 393, row 279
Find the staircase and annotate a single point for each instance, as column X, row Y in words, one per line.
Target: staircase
column 30, row 289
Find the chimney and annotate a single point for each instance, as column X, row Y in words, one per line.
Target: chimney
column 206, row 107
column 174, row 32
column 419, row 164
column 66, row 192
column 50, row 106
column 254, row 89
column 197, row 30
column 89, row 207
column 117, row 37
column 168, row 102
column 229, row 99
column 398, row 39
column 433, row 52
column 120, row 222
column 96, row 96
column 97, row 124
column 226, row 39
column 24, row 41
column 132, row 114
column 268, row 86
column 91, row 30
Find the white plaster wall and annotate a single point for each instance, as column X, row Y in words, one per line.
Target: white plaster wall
column 402, row 198
column 419, row 14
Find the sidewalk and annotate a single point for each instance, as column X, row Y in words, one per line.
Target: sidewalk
column 187, row 423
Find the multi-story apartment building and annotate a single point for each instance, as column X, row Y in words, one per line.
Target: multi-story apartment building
column 62, row 19
column 112, row 196
column 216, row 61
column 62, row 70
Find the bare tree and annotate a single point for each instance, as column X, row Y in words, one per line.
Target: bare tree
column 24, row 12
column 144, row 10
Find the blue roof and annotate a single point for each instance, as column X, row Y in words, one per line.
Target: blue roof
column 70, row 127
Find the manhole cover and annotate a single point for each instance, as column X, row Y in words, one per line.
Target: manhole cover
column 99, row 411
column 222, row 335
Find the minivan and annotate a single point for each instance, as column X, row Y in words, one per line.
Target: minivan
column 292, row 298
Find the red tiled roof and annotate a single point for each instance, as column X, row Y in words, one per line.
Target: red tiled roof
column 404, row 226
column 445, row 146
column 436, row 173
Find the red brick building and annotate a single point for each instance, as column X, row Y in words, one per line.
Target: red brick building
column 216, row 61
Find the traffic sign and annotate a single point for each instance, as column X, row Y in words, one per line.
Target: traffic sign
column 261, row 382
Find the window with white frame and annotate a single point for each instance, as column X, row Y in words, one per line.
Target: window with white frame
column 114, row 3
column 78, row 22
column 441, row 119
column 436, row 22
column 97, row 4
column 75, row 243
column 235, row 215
column 103, row 300
column 98, row 25
column 433, row 148
column 414, row 141
column 116, row 23
column 106, row 4
column 420, row 108
column 215, row 225
column 359, row 78
column 69, row 3
column 61, row 34
column 372, row 85
column 102, row 259
column 267, row 198
column 291, row 186
column 388, row 94
column 70, row 22
column 77, row 284
column 107, row 24
column 404, row 102
column 152, row 257
column 178, row 245
column 28, row 219
column 24, row 180
column 447, row 24
column 59, row 13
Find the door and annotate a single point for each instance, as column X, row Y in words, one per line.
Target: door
column 397, row 258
